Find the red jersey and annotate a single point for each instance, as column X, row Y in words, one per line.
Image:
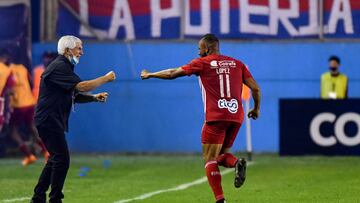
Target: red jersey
column 221, row 80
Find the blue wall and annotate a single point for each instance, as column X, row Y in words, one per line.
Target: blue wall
column 157, row 116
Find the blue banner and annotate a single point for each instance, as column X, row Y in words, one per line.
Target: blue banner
column 325, row 127
column 231, row 19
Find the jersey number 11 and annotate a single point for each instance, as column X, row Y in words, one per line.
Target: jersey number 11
column 225, row 86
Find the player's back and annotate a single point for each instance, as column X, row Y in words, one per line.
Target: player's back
column 22, row 95
column 221, row 80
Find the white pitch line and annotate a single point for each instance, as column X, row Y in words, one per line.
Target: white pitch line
column 177, row 188
column 20, row 199
column 146, row 195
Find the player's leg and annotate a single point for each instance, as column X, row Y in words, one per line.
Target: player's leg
column 226, row 158
column 30, row 123
column 39, row 141
column 15, row 120
column 212, row 138
column 229, row 160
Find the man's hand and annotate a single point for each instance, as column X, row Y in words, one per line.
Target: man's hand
column 101, row 97
column 110, row 76
column 254, row 114
column 145, row 74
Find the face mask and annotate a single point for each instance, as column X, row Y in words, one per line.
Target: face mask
column 333, row 69
column 73, row 59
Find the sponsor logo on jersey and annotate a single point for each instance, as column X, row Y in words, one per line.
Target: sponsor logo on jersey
column 214, row 64
column 227, row 63
column 222, row 64
column 232, row 105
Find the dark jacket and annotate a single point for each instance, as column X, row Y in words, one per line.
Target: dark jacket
column 57, row 94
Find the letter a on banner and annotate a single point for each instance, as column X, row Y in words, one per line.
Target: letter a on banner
column 341, row 10
column 121, row 17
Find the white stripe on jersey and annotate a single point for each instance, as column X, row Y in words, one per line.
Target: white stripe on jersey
column 203, row 93
column 228, row 92
column 221, row 82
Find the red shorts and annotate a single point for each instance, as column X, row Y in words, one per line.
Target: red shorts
column 220, row 132
column 23, row 115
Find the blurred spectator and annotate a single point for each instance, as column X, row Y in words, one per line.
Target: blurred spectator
column 47, row 58
column 334, row 85
column 23, row 104
column 6, row 82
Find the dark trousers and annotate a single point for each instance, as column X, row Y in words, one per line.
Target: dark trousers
column 55, row 170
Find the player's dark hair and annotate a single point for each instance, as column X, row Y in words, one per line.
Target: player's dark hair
column 210, row 40
column 334, row 58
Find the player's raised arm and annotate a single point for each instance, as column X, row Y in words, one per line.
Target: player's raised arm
column 167, row 74
column 88, row 85
column 255, row 90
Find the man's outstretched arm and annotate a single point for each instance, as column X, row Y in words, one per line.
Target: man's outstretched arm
column 167, row 74
column 255, row 91
column 89, row 85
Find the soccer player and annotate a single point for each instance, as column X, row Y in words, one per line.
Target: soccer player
column 23, row 105
column 6, row 83
column 14, row 86
column 221, row 79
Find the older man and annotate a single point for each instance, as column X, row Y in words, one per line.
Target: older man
column 60, row 88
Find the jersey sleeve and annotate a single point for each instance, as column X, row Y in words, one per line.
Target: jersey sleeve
column 194, row 67
column 246, row 72
column 65, row 78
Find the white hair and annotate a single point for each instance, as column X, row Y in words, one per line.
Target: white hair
column 67, row 41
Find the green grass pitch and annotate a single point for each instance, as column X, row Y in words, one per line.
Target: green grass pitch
column 269, row 179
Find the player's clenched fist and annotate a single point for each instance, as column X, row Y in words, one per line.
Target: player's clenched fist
column 254, row 114
column 101, row 97
column 110, row 76
column 144, row 74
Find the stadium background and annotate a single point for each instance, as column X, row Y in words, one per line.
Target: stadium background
column 166, row 116
column 286, row 64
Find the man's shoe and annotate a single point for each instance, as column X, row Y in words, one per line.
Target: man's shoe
column 240, row 172
column 221, row 201
column 28, row 160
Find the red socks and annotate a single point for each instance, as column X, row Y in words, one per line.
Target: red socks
column 213, row 173
column 214, row 179
column 24, row 149
column 227, row 160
